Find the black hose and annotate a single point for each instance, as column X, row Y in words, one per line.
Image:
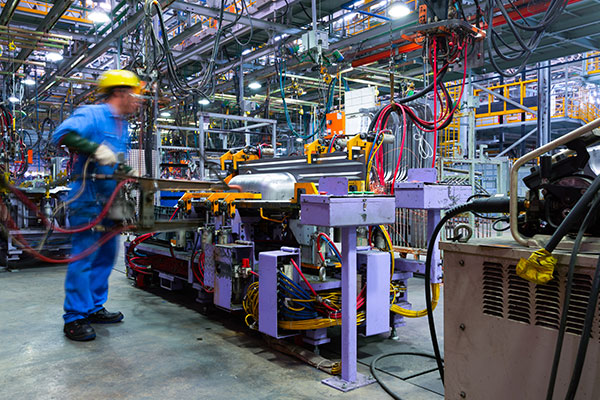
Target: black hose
column 574, row 216
column 377, row 377
column 585, row 335
column 488, row 204
column 567, row 299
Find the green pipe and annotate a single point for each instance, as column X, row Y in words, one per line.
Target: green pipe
column 118, row 18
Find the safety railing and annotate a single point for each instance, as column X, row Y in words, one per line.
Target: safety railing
column 74, row 13
column 592, row 65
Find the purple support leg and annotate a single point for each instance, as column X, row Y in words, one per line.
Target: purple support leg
column 350, row 379
column 349, row 348
column 433, row 218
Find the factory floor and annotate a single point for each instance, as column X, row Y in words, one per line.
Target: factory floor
column 166, row 348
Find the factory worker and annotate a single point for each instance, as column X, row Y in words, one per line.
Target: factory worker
column 99, row 133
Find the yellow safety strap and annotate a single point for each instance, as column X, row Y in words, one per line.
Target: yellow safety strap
column 538, row 268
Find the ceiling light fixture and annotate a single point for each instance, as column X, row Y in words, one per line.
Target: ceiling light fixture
column 398, row 10
column 204, row 102
column 28, row 81
column 53, row 56
column 13, row 99
column 255, row 85
column 98, row 17
column 246, row 52
column 165, row 114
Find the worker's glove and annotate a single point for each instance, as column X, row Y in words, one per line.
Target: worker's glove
column 134, row 172
column 105, row 156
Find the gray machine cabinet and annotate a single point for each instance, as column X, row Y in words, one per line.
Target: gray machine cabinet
column 500, row 330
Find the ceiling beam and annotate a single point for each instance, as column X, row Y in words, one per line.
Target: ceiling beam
column 86, row 56
column 57, row 11
column 231, row 17
column 7, row 11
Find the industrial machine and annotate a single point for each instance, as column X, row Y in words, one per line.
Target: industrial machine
column 296, row 244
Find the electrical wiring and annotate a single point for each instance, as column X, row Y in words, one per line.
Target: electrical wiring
column 303, row 277
column 25, row 200
column 440, row 120
column 21, row 241
column 331, row 244
column 375, row 374
column 585, row 335
column 525, row 48
column 567, row 297
column 328, row 104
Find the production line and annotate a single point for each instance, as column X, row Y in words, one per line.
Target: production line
column 401, row 196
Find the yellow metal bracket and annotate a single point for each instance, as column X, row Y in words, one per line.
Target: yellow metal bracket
column 304, row 187
column 240, row 156
column 358, row 142
column 314, row 148
column 216, row 199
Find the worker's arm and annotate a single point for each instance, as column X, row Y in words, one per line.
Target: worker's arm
column 79, row 144
column 103, row 154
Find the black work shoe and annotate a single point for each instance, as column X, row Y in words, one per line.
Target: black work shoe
column 105, row 317
column 80, row 330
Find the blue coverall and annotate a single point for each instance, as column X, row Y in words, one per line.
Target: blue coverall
column 86, row 283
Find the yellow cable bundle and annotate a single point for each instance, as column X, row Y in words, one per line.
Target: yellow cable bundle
column 317, row 323
column 435, row 297
column 250, row 305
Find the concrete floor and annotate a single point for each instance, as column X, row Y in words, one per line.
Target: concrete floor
column 166, row 348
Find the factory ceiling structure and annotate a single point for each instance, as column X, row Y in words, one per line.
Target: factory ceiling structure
column 323, row 178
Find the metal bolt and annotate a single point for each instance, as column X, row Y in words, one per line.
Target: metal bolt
column 463, row 395
column 462, row 327
column 461, row 263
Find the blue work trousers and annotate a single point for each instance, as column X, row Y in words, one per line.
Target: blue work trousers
column 86, row 284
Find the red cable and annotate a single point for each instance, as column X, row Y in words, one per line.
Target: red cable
column 47, row 223
column 401, row 149
column 304, row 278
column 434, row 101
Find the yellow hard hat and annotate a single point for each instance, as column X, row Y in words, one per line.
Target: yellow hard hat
column 117, row 77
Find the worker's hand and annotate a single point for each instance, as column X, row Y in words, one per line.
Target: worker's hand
column 105, row 156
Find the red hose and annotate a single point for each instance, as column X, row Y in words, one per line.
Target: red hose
column 47, row 223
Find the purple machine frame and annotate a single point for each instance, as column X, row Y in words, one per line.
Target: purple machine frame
column 348, row 213
column 420, row 191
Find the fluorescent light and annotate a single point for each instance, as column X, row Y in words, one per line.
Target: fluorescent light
column 246, row 52
column 81, row 57
column 105, row 6
column 255, row 85
column 398, row 10
column 165, row 114
column 299, row 140
column 204, row 102
column 98, row 17
column 28, row 81
column 53, row 56
column 13, row 99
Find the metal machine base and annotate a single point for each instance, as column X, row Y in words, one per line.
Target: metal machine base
column 338, row 383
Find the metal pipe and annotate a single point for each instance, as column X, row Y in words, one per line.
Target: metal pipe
column 314, row 14
column 514, row 175
column 515, row 144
